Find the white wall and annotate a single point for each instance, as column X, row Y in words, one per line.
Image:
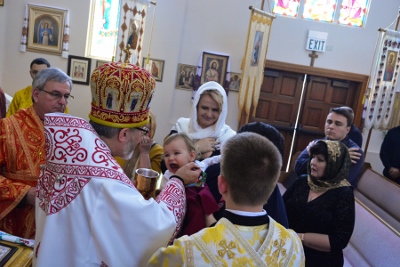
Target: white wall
column 15, row 64
column 183, row 29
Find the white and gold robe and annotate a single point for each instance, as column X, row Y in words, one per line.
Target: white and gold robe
column 229, row 244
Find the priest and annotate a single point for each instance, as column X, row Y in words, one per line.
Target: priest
column 88, row 211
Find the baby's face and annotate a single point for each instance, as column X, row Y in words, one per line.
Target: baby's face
column 177, row 154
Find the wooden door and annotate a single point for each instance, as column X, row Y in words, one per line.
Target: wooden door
column 320, row 96
column 281, row 104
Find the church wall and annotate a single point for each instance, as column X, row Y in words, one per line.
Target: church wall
column 183, row 29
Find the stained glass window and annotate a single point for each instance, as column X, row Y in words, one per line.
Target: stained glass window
column 286, row 7
column 321, row 10
column 103, row 29
column 353, row 12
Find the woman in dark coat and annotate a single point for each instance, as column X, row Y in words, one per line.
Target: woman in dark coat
column 320, row 206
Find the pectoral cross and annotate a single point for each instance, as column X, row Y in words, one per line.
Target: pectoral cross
column 313, row 56
column 128, row 53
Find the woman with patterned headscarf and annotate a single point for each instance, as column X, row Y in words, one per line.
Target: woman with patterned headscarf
column 320, row 206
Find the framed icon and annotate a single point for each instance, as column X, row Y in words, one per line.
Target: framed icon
column 185, row 76
column 79, row 69
column 45, row 29
column 156, row 68
column 214, row 68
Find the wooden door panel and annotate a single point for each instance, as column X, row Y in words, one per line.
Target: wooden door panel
column 278, row 104
column 340, row 96
column 263, row 110
column 289, row 86
column 322, row 95
column 317, row 91
column 315, row 109
column 278, row 101
column 313, row 118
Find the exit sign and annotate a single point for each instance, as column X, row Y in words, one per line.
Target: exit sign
column 316, row 41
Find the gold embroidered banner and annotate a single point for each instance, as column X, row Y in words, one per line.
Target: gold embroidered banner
column 253, row 62
column 382, row 105
column 131, row 31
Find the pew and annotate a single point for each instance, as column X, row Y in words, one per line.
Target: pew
column 381, row 196
column 373, row 243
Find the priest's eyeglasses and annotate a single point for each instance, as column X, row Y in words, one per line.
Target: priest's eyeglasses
column 145, row 130
column 57, row 96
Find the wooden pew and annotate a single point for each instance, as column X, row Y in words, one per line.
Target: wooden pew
column 373, row 243
column 381, row 195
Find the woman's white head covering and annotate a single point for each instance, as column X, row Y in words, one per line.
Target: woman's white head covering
column 219, row 130
column 216, row 127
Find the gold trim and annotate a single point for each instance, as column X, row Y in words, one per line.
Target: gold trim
column 118, row 125
column 21, row 258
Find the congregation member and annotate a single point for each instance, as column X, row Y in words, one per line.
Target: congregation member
column 206, row 126
column 337, row 127
column 22, row 151
column 23, row 98
column 246, row 235
column 354, row 134
column 390, row 154
column 179, row 150
column 88, row 211
column 320, row 205
column 148, row 153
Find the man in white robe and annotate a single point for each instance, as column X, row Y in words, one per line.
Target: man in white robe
column 246, row 235
column 88, row 211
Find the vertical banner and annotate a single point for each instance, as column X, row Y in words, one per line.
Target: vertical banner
column 381, row 93
column 131, row 30
column 253, row 62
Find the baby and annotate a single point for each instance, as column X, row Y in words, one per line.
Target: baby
column 179, row 150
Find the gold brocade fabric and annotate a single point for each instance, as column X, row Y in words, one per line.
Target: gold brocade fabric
column 232, row 245
column 121, row 94
column 22, row 151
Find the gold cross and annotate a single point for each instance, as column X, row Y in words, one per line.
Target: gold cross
column 127, row 52
column 226, row 249
column 313, row 56
column 279, row 244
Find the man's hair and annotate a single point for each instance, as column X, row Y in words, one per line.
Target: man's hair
column 268, row 131
column 50, row 75
column 344, row 111
column 214, row 94
column 188, row 141
column 40, row 61
column 350, row 110
column 106, row 131
column 250, row 164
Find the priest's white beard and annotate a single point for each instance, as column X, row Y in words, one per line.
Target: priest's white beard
column 128, row 150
